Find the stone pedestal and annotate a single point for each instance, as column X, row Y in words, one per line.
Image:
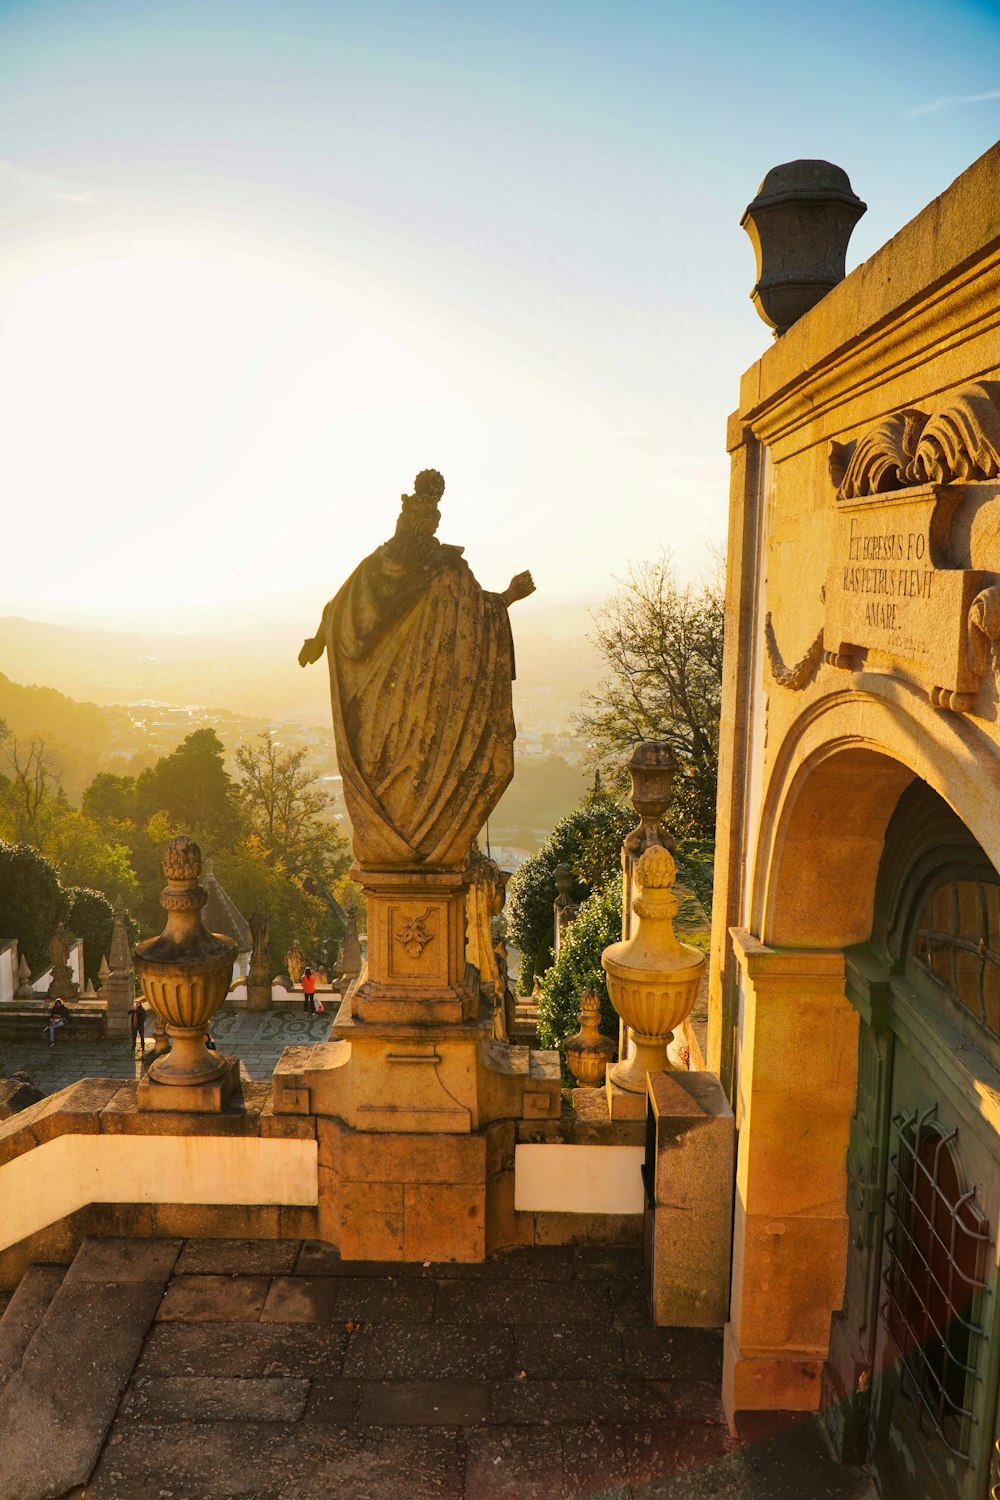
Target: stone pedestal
column 622, row 1103
column 119, row 992
column 690, row 1158
column 258, row 992
column 205, row 1098
column 416, row 970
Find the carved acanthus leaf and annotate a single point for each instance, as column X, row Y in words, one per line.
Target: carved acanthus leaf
column 798, row 675
column 957, row 443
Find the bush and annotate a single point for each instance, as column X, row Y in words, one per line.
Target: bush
column 32, row 902
column 578, row 968
column 589, row 840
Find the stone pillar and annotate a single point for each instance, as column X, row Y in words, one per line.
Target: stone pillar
column 118, row 987
column 259, row 974
column 797, row 1073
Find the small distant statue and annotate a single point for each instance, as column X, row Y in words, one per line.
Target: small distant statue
column 62, row 985
column 564, row 908
column 295, row 961
column 421, row 664
column 484, row 902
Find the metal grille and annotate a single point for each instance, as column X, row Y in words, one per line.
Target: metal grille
column 933, row 1278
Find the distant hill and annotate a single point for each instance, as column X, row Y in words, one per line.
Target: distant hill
column 254, row 670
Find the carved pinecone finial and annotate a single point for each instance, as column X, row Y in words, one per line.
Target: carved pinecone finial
column 656, row 869
column 182, row 860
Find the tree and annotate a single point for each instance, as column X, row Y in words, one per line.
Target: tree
column 192, row 787
column 251, row 877
column 30, row 786
column 662, row 645
column 111, row 798
column 92, row 917
column 589, row 840
column 32, row 901
column 284, row 806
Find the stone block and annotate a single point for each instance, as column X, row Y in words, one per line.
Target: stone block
column 802, row 1263
column 201, row 1098
column 371, row 1220
column 688, row 1225
column 623, row 1105
column 213, row 1299
column 768, row 1382
column 442, row 1223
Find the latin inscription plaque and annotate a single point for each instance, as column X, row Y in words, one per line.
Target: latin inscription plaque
column 890, row 589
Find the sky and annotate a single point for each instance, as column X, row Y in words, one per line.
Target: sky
column 264, row 261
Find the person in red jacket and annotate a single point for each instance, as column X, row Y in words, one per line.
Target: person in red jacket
column 309, row 991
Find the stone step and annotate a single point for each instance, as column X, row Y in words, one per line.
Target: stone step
column 59, row 1401
column 23, row 1313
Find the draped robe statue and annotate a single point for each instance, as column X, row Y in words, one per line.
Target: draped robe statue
column 421, row 664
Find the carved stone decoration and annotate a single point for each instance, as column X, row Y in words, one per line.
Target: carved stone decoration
column 799, row 225
column 984, row 632
column 957, row 443
column 589, row 1052
column 185, row 974
column 791, row 677
column 421, row 664
column 653, row 978
column 24, row 990
column 414, row 936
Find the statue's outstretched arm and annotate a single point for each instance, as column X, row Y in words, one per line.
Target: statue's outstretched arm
column 313, row 649
column 520, row 586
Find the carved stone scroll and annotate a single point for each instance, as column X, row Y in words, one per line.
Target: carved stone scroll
column 957, row 443
column 798, row 675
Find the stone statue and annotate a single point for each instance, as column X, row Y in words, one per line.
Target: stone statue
column 259, row 971
column 295, row 961
column 421, row 664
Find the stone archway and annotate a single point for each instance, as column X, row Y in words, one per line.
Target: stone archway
column 831, row 791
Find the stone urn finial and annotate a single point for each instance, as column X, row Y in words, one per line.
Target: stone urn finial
column 799, row 225
column 185, row 972
column 652, row 977
column 589, row 1052
column 651, row 767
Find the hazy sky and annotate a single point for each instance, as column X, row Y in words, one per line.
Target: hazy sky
column 264, row 261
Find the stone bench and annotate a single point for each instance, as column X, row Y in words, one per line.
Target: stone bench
column 26, row 1023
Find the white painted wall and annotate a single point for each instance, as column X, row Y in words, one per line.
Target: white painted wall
column 8, row 970
column 578, row 1179
column 45, row 1184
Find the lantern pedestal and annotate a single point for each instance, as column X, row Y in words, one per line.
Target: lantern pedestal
column 209, row 1097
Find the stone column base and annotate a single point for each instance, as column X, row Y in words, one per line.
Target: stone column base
column 200, row 1098
column 779, row 1380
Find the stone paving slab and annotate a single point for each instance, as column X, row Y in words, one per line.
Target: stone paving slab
column 24, row 1312
column 257, row 1381
column 213, row 1299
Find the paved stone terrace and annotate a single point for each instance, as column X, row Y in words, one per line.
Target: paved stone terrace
column 258, row 1038
column 275, row 1371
